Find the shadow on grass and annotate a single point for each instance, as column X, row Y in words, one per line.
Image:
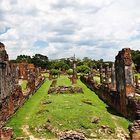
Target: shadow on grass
column 113, row 112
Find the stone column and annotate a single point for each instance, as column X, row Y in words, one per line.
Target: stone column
column 113, row 78
column 74, row 77
column 91, row 74
column 101, row 73
column 107, row 74
column 124, row 77
column 3, row 89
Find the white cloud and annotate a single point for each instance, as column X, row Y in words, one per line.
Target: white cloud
column 93, row 28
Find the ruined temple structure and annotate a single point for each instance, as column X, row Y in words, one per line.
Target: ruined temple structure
column 10, row 91
column 120, row 91
column 11, row 95
column 24, row 69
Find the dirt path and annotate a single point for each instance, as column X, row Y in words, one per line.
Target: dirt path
column 120, row 132
column 25, row 129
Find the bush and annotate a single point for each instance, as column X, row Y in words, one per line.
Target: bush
column 54, row 72
column 70, row 72
column 83, row 69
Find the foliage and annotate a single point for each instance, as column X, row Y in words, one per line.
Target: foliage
column 70, row 72
column 54, row 72
column 83, row 69
column 63, row 64
column 40, row 61
column 136, row 58
column 23, row 58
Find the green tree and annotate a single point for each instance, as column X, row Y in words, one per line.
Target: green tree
column 83, row 69
column 63, row 64
column 23, row 58
column 54, row 72
column 70, row 72
column 136, row 58
column 40, row 61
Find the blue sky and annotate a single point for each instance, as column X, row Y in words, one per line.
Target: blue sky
column 61, row 28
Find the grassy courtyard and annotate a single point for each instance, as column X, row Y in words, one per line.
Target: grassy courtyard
column 64, row 112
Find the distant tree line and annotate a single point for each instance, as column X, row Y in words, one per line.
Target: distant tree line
column 65, row 64
column 38, row 60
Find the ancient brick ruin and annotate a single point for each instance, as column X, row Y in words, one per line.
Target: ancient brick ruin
column 53, row 89
column 11, row 95
column 119, row 92
column 64, row 89
column 118, row 88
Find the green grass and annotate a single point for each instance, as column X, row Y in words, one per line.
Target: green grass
column 25, row 113
column 64, row 111
column 63, row 81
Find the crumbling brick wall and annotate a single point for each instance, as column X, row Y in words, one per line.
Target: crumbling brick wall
column 11, row 96
column 122, row 96
column 6, row 85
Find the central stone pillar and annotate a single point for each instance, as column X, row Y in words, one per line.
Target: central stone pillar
column 107, row 75
column 124, row 77
column 101, row 74
column 113, row 78
column 2, row 80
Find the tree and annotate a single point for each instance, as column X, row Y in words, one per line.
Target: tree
column 70, row 72
column 136, row 58
column 23, row 58
column 40, row 61
column 63, row 64
column 83, row 69
column 54, row 72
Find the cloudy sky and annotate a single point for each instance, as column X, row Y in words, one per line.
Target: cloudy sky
column 60, row 28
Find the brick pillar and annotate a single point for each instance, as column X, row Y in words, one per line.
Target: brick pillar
column 113, row 78
column 3, row 81
column 90, row 76
column 101, row 74
column 107, row 74
column 124, row 77
column 74, row 76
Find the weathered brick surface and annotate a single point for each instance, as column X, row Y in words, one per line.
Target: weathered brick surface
column 6, row 133
column 134, row 129
column 11, row 96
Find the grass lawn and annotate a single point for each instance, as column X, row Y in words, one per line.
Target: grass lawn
column 24, row 114
column 64, row 111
